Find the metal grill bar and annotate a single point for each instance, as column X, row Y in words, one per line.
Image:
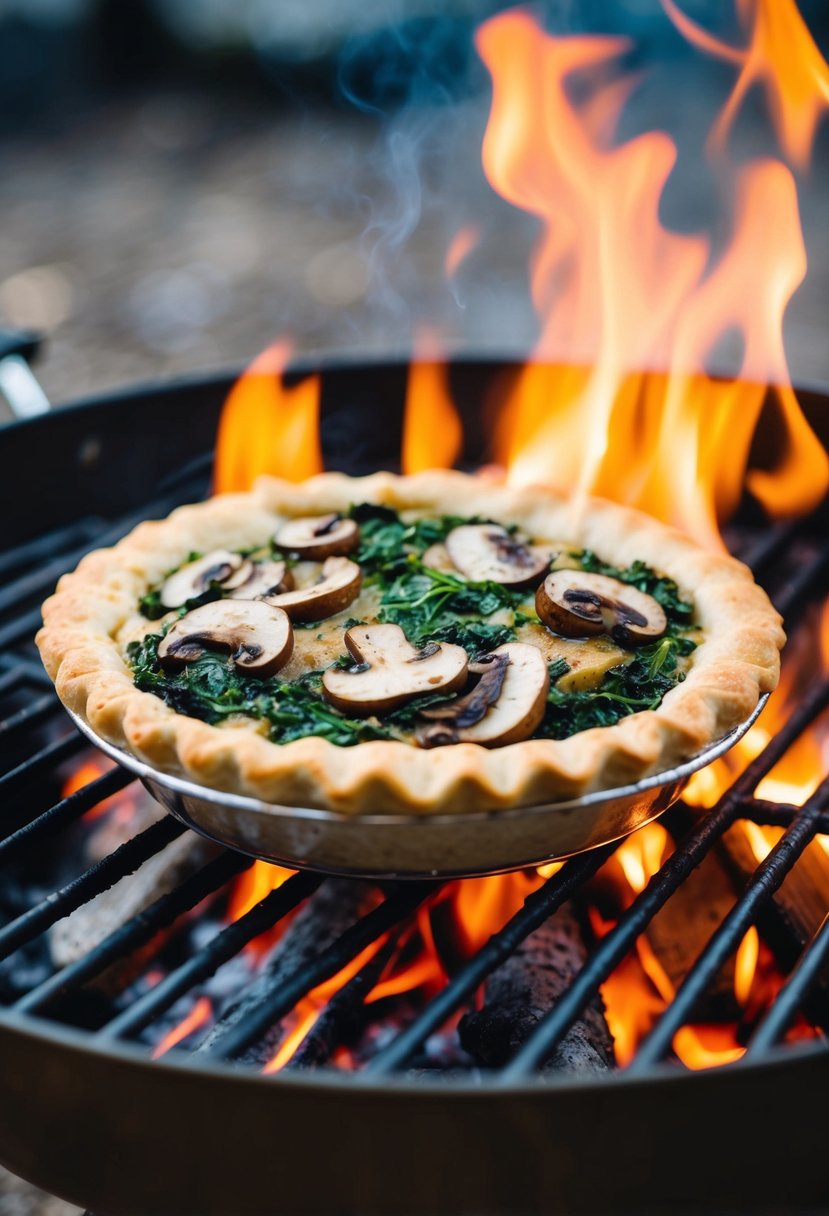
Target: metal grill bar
column 66, row 811
column 395, row 909
column 780, row 814
column 136, row 932
column 767, row 878
column 43, row 560
column 791, row 997
column 774, row 542
column 37, row 582
column 42, row 546
column 263, row 916
column 92, row 882
column 44, row 761
column 538, row 907
column 20, row 628
column 795, row 596
column 616, row 944
column 10, row 680
column 31, row 716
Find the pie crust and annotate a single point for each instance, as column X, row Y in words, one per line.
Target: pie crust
column 95, row 607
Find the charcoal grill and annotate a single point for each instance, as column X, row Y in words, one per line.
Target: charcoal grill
column 88, row 1115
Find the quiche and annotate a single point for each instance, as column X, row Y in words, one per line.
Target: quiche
column 427, row 644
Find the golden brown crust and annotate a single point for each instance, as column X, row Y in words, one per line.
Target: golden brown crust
column 94, row 609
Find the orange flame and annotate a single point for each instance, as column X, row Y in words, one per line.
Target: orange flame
column 199, row 1016
column 463, row 242
column 249, row 889
column 268, row 427
column 781, row 56
column 122, row 803
column 620, row 295
column 432, row 434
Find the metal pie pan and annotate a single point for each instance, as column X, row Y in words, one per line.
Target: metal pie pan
column 418, row 846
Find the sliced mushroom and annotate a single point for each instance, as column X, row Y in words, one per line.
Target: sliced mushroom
column 263, row 578
column 484, row 552
column 318, row 536
column 338, row 584
column 389, row 671
column 221, row 566
column 436, row 558
column 578, row 605
column 516, row 681
column 257, row 636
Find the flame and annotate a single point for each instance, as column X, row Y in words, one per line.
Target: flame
column 432, row 435
column 121, row 803
column 249, row 889
column 463, row 242
column 621, row 297
column 781, row 57
column 745, row 965
column 267, row 426
column 199, row 1016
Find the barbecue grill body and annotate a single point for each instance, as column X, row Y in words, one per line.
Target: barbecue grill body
column 107, row 1128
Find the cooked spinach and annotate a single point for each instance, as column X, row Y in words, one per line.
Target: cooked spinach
column 213, row 690
column 626, row 689
column 430, row 605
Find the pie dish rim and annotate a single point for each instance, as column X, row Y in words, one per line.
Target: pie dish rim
column 736, row 663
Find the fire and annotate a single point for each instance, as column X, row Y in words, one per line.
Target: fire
column 618, row 401
column 267, row 426
column 122, row 803
column 199, row 1016
column 432, row 435
column 249, row 889
column 462, row 244
column 781, row 56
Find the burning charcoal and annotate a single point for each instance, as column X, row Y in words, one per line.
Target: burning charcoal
column 328, row 913
column 796, row 910
column 527, row 986
column 679, row 932
column 344, row 1014
column 74, row 936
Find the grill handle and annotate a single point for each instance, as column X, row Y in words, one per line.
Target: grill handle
column 19, row 388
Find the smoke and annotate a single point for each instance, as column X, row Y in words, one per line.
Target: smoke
column 419, row 82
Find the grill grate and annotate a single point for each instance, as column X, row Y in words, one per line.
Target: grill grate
column 30, row 755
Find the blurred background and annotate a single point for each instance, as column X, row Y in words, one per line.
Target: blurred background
column 183, row 181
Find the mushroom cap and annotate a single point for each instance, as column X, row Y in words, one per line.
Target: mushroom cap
column 578, row 604
column 389, row 671
column 337, row 587
column 262, row 579
column 195, row 578
column 257, row 636
column 318, row 536
column 514, row 714
column 488, row 552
